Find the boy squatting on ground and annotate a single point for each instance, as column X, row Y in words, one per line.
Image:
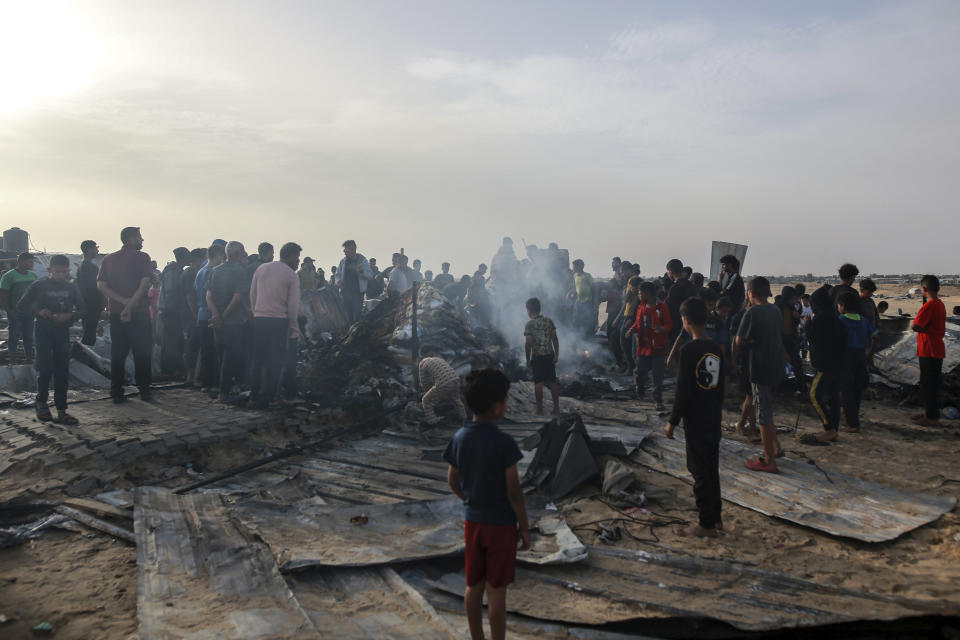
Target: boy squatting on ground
column 55, row 303
column 542, row 349
column 699, row 402
column 483, row 473
column 930, row 326
column 442, row 385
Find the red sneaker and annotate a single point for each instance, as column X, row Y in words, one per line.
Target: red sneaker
column 761, row 465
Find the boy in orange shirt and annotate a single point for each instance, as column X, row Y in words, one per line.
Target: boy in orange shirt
column 930, row 325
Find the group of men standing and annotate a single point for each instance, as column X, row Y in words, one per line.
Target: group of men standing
column 226, row 320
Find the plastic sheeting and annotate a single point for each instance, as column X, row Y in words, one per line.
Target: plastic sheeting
column 899, row 364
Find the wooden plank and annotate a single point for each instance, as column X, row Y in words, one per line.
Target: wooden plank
column 200, row 575
column 408, row 467
column 806, row 494
column 369, row 484
column 99, row 508
column 389, row 477
column 96, row 523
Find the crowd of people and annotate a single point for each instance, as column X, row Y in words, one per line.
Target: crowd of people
column 229, row 321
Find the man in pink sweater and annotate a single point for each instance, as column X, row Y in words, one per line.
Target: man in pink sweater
column 275, row 301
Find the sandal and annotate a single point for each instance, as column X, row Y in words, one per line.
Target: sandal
column 761, row 465
column 43, row 412
column 813, row 440
column 66, row 419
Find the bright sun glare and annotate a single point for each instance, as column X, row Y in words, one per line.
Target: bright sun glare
column 45, row 53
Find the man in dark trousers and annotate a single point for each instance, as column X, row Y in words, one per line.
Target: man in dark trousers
column 169, row 306
column 680, row 289
column 228, row 298
column 92, row 298
column 124, row 278
column 699, row 402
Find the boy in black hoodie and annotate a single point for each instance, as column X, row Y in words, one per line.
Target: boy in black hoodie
column 828, row 342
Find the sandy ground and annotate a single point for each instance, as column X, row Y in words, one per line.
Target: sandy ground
column 85, row 585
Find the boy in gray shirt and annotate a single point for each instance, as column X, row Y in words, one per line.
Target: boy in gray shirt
column 760, row 328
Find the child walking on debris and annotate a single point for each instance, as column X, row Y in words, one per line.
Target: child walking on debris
column 55, row 303
column 442, row 384
column 653, row 325
column 542, row 349
column 930, row 326
column 483, row 473
column 699, row 402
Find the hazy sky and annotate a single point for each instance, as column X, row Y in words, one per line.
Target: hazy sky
column 815, row 132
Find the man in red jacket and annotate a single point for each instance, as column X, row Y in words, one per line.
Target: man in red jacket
column 652, row 326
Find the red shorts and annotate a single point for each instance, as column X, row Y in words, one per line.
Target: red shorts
column 491, row 553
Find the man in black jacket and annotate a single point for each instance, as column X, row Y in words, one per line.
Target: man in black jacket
column 92, row 298
column 680, row 289
column 731, row 281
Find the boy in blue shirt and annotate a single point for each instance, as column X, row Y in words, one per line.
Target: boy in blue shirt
column 859, row 338
column 483, row 473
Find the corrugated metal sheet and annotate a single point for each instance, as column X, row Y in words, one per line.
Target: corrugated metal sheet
column 806, row 494
column 614, row 585
column 201, row 576
column 310, row 535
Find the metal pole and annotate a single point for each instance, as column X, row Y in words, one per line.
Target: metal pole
column 415, row 339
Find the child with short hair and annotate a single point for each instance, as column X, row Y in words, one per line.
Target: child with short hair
column 718, row 325
column 828, row 342
column 699, row 403
column 55, row 303
column 542, row 350
column 930, row 326
column 652, row 326
column 483, row 473
column 761, row 329
column 860, row 335
column 868, row 308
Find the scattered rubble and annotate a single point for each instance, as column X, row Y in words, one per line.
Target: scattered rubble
column 370, row 372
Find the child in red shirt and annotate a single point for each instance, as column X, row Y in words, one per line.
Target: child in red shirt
column 930, row 325
column 652, row 326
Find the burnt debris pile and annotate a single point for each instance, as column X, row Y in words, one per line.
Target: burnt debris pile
column 370, row 371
